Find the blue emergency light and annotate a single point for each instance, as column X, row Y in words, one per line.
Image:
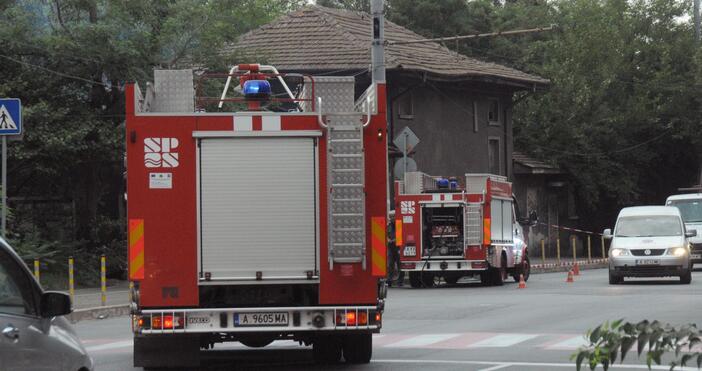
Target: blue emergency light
column 257, row 89
column 442, row 183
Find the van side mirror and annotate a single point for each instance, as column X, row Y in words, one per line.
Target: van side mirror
column 691, row 233
column 607, row 233
column 54, row 304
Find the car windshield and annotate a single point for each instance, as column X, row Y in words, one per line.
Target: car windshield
column 649, row 226
column 691, row 210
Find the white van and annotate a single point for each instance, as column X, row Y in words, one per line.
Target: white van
column 690, row 206
column 649, row 241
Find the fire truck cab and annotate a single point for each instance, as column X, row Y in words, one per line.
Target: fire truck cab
column 255, row 215
column 450, row 228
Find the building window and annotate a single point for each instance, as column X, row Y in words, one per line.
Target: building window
column 475, row 116
column 493, row 112
column 405, row 107
column 494, row 154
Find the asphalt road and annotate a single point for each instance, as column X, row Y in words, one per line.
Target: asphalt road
column 464, row 327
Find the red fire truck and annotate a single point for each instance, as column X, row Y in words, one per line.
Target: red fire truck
column 450, row 228
column 261, row 224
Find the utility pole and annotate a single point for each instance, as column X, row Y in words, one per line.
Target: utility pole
column 378, row 46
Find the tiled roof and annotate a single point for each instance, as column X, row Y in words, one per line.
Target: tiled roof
column 316, row 38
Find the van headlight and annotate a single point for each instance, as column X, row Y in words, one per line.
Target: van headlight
column 619, row 252
column 677, row 251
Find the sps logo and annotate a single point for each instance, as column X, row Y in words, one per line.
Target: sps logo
column 159, row 152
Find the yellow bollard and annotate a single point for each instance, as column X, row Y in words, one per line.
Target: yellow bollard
column 543, row 252
column 103, row 281
column 603, row 248
column 71, row 289
column 36, row 269
column 131, row 288
column 573, row 246
column 589, row 250
column 558, row 250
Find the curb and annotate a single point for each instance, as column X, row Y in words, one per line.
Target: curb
column 98, row 313
column 565, row 267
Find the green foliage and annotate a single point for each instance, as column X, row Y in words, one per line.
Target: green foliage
column 609, row 342
column 622, row 109
column 68, row 61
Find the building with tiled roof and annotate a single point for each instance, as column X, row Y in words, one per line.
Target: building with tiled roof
column 459, row 107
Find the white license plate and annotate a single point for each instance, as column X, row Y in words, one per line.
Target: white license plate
column 261, row 319
column 410, row 251
column 647, row 262
column 696, row 256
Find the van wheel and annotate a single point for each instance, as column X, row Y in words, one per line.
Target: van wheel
column 415, row 280
column 615, row 279
column 327, row 349
column 358, row 348
column 686, row 278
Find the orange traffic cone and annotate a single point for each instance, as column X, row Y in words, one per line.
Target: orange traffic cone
column 570, row 276
column 576, row 269
column 522, row 283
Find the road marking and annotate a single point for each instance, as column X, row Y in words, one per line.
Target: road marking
column 498, row 367
column 503, row 340
column 109, row 346
column 572, row 343
column 569, row 366
column 421, row 341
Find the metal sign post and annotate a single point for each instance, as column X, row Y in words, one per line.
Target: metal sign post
column 10, row 124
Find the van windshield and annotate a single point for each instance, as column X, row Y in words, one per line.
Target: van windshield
column 691, row 210
column 649, row 226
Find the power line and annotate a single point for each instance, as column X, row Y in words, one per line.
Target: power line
column 473, row 36
column 68, row 76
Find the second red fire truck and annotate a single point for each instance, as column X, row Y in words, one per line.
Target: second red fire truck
column 451, row 228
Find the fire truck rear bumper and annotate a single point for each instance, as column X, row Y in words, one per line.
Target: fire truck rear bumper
column 265, row 319
column 436, row 265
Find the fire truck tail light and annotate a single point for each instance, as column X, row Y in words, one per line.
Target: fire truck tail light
column 350, row 318
column 398, row 232
column 166, row 322
column 487, row 238
column 362, row 318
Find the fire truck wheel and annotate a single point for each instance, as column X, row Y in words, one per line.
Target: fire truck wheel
column 451, row 279
column 415, row 280
column 327, row 349
column 358, row 348
column 524, row 268
column 427, row 279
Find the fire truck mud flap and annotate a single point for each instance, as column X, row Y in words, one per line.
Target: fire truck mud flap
column 157, row 351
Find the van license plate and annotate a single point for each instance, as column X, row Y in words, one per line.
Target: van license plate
column 410, row 251
column 261, row 319
column 647, row 262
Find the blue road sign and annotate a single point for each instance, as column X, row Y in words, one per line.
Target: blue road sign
column 10, row 116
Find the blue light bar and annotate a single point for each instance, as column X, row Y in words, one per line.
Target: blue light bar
column 257, row 89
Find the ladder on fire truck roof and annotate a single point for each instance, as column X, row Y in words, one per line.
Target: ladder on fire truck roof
column 346, row 190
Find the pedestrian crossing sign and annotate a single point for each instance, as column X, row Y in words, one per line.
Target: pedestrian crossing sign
column 10, row 116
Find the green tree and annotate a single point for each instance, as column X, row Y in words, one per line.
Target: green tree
column 68, row 61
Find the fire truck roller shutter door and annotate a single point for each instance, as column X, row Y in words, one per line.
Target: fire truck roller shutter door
column 258, row 207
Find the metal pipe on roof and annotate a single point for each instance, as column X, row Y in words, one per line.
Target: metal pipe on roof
column 474, row 36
